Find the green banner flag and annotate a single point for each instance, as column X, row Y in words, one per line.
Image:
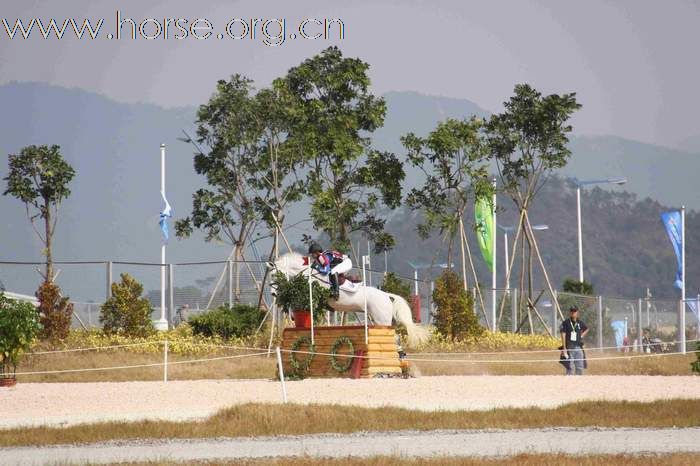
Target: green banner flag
column 483, row 213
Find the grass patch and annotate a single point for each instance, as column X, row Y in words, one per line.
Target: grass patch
column 266, row 419
column 620, row 364
column 675, row 459
column 254, row 367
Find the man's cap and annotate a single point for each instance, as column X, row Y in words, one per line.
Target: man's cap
column 573, row 309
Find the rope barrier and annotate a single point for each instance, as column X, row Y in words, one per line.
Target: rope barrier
column 597, row 348
column 521, row 361
column 238, row 356
column 472, row 361
column 157, row 364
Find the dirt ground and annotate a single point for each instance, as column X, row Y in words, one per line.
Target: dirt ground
column 74, row 403
column 403, row 444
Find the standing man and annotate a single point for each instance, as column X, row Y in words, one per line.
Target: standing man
column 572, row 332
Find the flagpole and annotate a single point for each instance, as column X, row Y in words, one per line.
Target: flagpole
column 162, row 323
column 682, row 316
column 493, row 260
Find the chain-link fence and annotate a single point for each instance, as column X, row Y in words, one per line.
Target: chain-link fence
column 191, row 288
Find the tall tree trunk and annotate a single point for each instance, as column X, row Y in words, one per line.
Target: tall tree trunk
column 529, row 284
column 464, row 259
column 47, row 231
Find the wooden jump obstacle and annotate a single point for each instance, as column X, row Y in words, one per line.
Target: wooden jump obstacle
column 381, row 345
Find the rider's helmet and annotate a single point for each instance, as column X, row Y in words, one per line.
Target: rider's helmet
column 315, row 248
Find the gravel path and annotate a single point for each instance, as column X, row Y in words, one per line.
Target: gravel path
column 413, row 444
column 73, row 403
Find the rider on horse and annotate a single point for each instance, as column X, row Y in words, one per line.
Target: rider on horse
column 331, row 263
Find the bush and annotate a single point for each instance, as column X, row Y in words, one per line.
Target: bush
column 454, row 314
column 489, row 341
column 181, row 341
column 395, row 285
column 126, row 311
column 19, row 327
column 55, row 312
column 239, row 321
column 695, row 366
column 293, row 294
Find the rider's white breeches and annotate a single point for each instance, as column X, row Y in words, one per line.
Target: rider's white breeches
column 343, row 267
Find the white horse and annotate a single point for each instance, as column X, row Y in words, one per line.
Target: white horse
column 382, row 307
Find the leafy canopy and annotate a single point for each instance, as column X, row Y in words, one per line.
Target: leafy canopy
column 227, row 127
column 453, row 159
column 333, row 115
column 39, row 177
column 529, row 139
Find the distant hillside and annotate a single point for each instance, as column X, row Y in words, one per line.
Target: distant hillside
column 114, row 147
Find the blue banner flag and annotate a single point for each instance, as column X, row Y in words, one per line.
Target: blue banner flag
column 164, row 215
column 672, row 223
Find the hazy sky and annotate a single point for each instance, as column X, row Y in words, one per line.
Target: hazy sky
column 634, row 64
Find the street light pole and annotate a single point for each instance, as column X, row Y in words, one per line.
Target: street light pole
column 579, row 184
column 580, row 246
column 505, row 256
column 493, row 259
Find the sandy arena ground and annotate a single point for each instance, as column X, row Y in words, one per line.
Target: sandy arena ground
column 73, row 403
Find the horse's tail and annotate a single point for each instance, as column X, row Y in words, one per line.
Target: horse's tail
column 402, row 315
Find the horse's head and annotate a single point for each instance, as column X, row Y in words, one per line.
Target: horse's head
column 289, row 264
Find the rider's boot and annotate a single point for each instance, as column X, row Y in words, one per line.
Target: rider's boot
column 335, row 288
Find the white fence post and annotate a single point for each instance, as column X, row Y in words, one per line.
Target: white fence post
column 555, row 327
column 281, row 371
column 165, row 361
column 514, row 310
column 171, row 295
column 639, row 326
column 600, row 321
column 311, row 300
column 681, row 325
column 108, row 294
column 364, row 291
column 230, row 283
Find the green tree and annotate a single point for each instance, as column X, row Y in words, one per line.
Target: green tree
column 126, row 311
column 19, row 327
column 227, row 127
column 39, row 177
column 250, row 168
column 454, row 315
column 574, row 286
column 453, row 159
column 528, row 141
column 334, row 114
